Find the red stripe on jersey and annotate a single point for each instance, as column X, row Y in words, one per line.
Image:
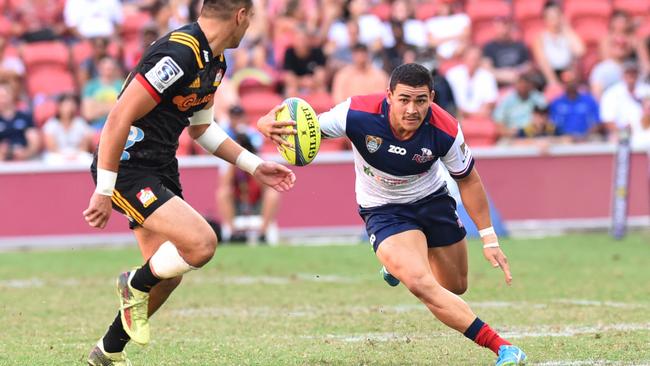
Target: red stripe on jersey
column 443, row 121
column 143, row 81
column 368, row 103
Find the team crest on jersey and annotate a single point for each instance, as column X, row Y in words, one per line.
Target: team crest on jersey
column 373, row 143
column 426, row 156
column 146, row 197
column 463, row 149
column 217, row 79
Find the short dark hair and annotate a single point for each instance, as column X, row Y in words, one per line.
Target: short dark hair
column 224, row 8
column 412, row 75
column 550, row 4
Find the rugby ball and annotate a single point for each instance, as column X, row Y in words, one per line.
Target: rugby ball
column 306, row 141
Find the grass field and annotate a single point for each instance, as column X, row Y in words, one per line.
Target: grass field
column 576, row 300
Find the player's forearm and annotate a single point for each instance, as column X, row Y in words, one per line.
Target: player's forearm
column 112, row 142
column 229, row 151
column 475, row 200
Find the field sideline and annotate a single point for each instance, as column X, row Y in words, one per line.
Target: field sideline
column 576, row 300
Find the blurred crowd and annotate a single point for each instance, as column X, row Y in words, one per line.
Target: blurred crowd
column 512, row 71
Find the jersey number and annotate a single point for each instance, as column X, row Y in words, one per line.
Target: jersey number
column 396, row 150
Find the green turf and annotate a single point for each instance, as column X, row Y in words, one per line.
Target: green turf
column 328, row 306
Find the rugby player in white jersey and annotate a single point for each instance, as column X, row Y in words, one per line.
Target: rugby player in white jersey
column 400, row 139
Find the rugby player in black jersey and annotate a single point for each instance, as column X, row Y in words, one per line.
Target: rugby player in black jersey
column 136, row 171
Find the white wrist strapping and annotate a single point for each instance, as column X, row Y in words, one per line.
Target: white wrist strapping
column 105, row 182
column 248, row 161
column 212, row 138
column 486, row 232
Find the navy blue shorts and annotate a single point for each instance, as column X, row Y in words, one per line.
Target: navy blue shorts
column 435, row 215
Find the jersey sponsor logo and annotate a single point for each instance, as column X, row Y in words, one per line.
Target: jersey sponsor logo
column 186, row 102
column 373, row 143
column 146, row 197
column 135, row 135
column 426, row 156
column 464, row 151
column 396, row 150
column 164, row 74
column 218, row 78
column 196, row 83
column 206, row 56
column 373, row 239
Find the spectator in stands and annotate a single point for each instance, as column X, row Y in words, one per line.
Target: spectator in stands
column 100, row 93
column 372, row 32
column 339, row 56
column 394, row 56
column 557, row 46
column 239, row 194
column 618, row 45
column 92, row 18
column 12, row 68
column 304, row 65
column 413, row 30
column 361, row 77
column 19, row 139
column 39, row 20
column 506, row 57
column 540, row 131
column 515, row 110
column 148, row 35
column 474, row 87
column 88, row 68
column 442, row 93
column 67, row 136
column 238, row 123
column 575, row 112
column 448, row 32
column 641, row 127
column 620, row 104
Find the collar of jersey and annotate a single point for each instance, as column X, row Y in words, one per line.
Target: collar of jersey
column 204, row 40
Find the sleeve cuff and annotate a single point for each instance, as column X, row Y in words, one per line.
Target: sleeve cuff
column 143, row 81
column 465, row 172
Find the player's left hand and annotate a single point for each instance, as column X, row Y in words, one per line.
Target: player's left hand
column 275, row 175
column 495, row 256
column 276, row 130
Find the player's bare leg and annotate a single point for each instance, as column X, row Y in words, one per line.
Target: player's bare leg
column 405, row 255
column 149, row 242
column 270, row 203
column 449, row 266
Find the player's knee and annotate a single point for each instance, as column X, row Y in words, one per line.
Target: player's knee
column 459, row 287
column 420, row 284
column 201, row 248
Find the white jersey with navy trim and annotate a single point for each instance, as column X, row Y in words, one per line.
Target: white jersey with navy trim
column 390, row 170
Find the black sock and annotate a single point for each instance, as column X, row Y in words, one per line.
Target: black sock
column 116, row 338
column 143, row 279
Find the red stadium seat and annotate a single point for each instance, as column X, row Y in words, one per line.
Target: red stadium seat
column 487, row 10
column 644, row 29
column 588, row 61
column 579, row 9
column 321, row 102
column 44, row 111
column 46, row 56
column 530, row 29
column 426, row 10
column 382, row 11
column 50, row 82
column 635, row 8
column 479, row 131
column 133, row 24
column 5, row 27
column 528, row 9
column 591, row 30
column 81, row 51
column 258, row 104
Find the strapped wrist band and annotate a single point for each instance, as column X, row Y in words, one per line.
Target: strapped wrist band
column 486, row 231
column 105, row 182
column 212, row 138
column 248, row 162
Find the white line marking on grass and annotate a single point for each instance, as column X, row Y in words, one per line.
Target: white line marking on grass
column 273, row 280
column 590, row 363
column 570, row 331
column 22, row 283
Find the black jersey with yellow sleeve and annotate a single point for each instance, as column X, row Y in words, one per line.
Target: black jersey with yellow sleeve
column 181, row 74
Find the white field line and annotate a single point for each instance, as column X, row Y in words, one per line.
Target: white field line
column 590, row 363
column 518, row 332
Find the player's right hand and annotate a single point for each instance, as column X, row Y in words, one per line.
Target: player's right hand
column 98, row 211
column 275, row 130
